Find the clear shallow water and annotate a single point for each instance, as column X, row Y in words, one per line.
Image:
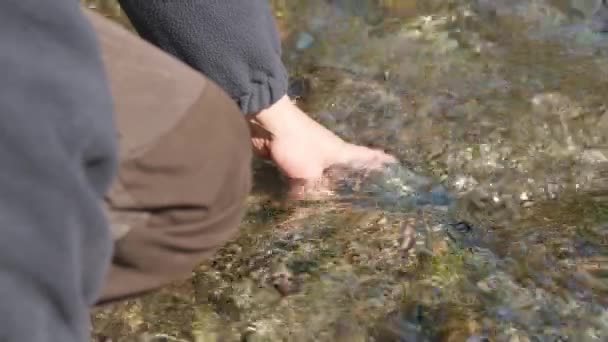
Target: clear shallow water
column 502, row 105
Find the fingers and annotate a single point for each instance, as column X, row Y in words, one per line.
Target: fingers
column 326, row 186
column 260, row 140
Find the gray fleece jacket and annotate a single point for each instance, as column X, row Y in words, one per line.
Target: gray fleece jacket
column 233, row 42
column 57, row 143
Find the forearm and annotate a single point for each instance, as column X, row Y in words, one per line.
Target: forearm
column 56, row 152
column 233, row 42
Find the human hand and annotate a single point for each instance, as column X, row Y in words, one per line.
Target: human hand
column 303, row 150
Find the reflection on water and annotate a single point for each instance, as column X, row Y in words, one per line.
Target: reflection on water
column 500, row 102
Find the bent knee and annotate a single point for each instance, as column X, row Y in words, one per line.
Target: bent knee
column 188, row 189
column 203, row 161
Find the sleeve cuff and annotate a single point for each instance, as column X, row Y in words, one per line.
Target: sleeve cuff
column 263, row 91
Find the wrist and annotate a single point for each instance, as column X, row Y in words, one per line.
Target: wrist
column 274, row 117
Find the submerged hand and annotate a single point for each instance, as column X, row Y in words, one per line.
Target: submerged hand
column 303, row 149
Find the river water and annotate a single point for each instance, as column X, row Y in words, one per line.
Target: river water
column 495, row 228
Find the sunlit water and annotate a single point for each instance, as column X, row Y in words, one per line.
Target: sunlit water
column 496, row 226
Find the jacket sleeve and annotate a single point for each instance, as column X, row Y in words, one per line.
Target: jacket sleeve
column 233, row 42
column 57, row 159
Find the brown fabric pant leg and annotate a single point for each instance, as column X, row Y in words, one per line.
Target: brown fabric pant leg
column 185, row 168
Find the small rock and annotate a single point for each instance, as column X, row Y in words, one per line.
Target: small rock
column 283, row 281
column 304, row 41
column 594, row 156
column 408, row 235
column 440, row 246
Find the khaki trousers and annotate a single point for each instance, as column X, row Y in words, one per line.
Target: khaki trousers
column 185, row 168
